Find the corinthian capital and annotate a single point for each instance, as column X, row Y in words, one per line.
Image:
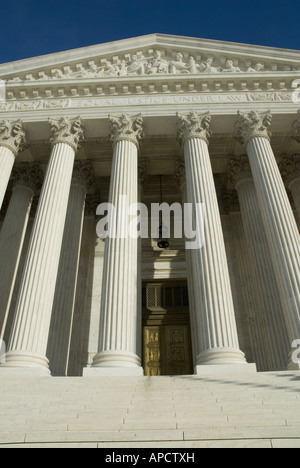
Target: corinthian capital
column 12, row 135
column 27, row 175
column 69, row 131
column 126, row 127
column 251, row 125
column 83, row 174
column 290, row 169
column 239, row 169
column 193, row 125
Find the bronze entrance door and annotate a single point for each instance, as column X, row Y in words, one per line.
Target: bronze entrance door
column 166, row 330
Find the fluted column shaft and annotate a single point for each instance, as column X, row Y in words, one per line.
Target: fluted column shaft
column 281, row 229
column 29, row 336
column 82, row 322
column 63, row 305
column 119, row 335
column 181, row 179
column 11, row 242
column 7, row 160
column 216, row 326
column 118, row 327
column 65, row 292
column 270, row 311
column 27, row 179
column 290, row 171
column 279, row 221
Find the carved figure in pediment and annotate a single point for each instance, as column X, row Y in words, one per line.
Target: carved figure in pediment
column 230, row 68
column 91, row 72
column 110, row 69
column 193, row 67
column 206, row 67
column 178, row 66
column 158, row 64
column 58, row 74
column 123, row 69
column 257, row 68
column 136, row 67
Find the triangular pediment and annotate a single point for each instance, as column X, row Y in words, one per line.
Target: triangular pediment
column 153, row 55
column 153, row 63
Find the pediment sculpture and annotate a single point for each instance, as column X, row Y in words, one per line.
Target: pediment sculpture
column 156, row 63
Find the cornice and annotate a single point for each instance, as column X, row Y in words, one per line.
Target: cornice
column 151, row 84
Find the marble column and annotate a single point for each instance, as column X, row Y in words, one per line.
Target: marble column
column 253, row 130
column 65, row 292
column 290, row 171
column 26, row 181
column 216, row 340
column 28, row 341
column 142, row 174
column 119, row 337
column 244, row 299
column 269, row 316
column 84, row 325
column 180, row 177
column 12, row 141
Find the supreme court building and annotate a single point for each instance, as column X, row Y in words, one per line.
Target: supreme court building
column 159, row 119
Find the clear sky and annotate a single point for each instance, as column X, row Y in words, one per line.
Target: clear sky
column 30, row 28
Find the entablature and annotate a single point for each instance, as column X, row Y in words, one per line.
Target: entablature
column 144, row 85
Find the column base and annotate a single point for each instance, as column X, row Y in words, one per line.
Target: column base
column 221, row 357
column 223, row 361
column 115, row 363
column 24, row 363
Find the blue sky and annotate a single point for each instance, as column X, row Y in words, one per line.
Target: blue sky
column 36, row 27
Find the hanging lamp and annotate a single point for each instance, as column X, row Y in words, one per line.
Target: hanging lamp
column 162, row 241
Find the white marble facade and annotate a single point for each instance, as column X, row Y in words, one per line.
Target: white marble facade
column 220, row 122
